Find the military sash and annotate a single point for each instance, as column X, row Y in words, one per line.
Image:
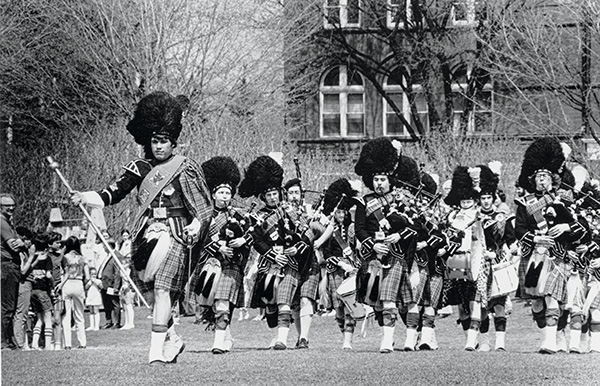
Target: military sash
column 154, row 182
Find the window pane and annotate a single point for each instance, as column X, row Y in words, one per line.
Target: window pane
column 459, row 101
column 484, row 101
column 483, row 122
column 461, row 11
column 354, row 78
column 355, row 124
column 353, row 11
column 331, row 104
column 332, row 78
column 331, row 125
column 355, row 103
column 394, row 124
column 397, row 8
column 332, row 12
column 397, row 98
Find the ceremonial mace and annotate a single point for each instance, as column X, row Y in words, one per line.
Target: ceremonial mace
column 54, row 166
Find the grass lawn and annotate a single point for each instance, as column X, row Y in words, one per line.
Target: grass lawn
column 119, row 358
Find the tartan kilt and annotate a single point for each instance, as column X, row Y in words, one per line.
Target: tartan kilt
column 458, row 292
column 417, row 293
column 556, row 285
column 484, row 284
column 285, row 290
column 522, row 271
column 391, row 281
column 170, row 275
column 309, row 286
column 334, row 281
column 432, row 292
column 229, row 286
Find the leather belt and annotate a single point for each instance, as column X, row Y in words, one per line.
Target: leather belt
column 163, row 212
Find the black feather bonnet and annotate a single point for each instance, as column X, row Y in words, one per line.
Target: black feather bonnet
column 220, row 172
column 339, row 192
column 263, row 174
column 544, row 154
column 463, row 187
column 378, row 156
column 157, row 113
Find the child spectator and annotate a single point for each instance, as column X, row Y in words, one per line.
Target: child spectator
column 127, row 297
column 76, row 271
column 39, row 264
column 54, row 251
column 93, row 300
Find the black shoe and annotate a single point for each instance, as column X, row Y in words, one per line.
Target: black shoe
column 107, row 326
column 115, row 327
column 302, row 343
column 81, row 347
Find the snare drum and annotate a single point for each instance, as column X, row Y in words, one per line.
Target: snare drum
column 347, row 293
column 505, row 279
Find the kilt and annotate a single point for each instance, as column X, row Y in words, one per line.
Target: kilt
column 391, row 280
column 522, row 271
column 309, row 286
column 334, row 281
column 170, row 275
column 459, row 292
column 556, row 285
column 417, row 293
column 229, row 286
column 432, row 291
column 484, row 284
column 285, row 290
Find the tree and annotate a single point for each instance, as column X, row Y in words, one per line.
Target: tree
column 71, row 72
column 418, row 42
column 544, row 58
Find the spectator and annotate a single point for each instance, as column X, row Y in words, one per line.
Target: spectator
column 39, row 265
column 76, row 271
column 24, row 297
column 10, row 248
column 111, row 282
column 54, row 248
column 94, row 300
column 125, row 247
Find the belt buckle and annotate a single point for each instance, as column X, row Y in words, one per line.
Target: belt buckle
column 159, row 213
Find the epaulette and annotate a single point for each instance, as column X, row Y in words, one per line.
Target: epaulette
column 139, row 167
